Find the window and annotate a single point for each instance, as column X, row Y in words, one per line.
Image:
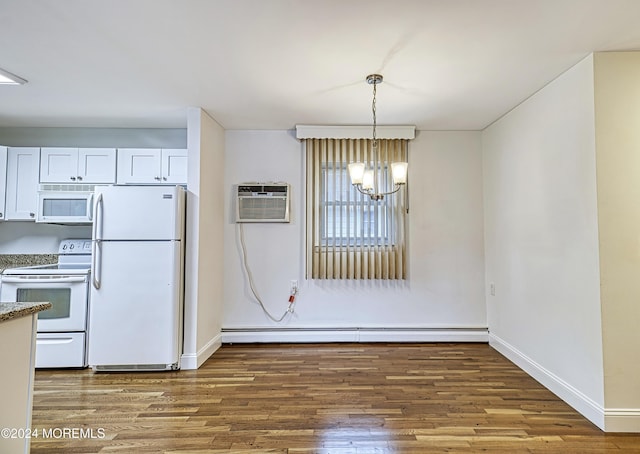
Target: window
column 350, row 236
column 348, row 218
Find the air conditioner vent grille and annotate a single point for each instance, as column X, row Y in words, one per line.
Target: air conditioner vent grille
column 262, row 202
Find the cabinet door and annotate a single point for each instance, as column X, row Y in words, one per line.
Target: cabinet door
column 174, row 165
column 97, row 165
column 139, row 166
column 23, row 165
column 3, row 179
column 58, row 165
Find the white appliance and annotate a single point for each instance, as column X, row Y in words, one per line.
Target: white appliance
column 135, row 311
column 262, row 202
column 61, row 338
column 65, row 204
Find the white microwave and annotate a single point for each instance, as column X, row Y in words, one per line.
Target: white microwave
column 65, row 207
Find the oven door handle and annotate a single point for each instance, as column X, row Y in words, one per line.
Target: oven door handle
column 50, row 280
column 96, row 247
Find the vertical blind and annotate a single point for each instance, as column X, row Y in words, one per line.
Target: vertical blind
column 350, row 236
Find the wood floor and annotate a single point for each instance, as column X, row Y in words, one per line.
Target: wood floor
column 317, row 398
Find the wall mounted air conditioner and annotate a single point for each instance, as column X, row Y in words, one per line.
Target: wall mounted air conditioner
column 262, row 202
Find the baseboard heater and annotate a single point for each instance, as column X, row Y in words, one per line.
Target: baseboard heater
column 355, row 334
column 137, row 368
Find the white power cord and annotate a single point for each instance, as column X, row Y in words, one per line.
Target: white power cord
column 245, row 264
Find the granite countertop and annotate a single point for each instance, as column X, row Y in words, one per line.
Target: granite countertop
column 10, row 311
column 20, row 260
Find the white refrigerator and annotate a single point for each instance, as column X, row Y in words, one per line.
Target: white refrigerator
column 136, row 300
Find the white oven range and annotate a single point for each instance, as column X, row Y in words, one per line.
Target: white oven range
column 61, row 339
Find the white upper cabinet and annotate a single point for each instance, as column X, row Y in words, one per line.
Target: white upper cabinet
column 97, row 165
column 22, row 183
column 174, row 165
column 152, row 166
column 3, row 179
column 139, row 165
column 78, row 165
column 58, row 165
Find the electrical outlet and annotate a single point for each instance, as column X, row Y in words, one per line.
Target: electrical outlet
column 294, row 285
column 492, row 289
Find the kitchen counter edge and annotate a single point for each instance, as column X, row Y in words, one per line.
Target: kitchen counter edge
column 9, row 311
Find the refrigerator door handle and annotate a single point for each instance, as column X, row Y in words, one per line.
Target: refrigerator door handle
column 90, row 207
column 96, row 249
column 96, row 270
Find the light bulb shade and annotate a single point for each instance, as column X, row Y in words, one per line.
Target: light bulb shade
column 399, row 172
column 367, row 180
column 356, row 172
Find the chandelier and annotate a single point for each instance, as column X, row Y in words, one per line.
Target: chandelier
column 366, row 180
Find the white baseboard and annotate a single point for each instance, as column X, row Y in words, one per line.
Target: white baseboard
column 586, row 406
column 622, row 420
column 306, row 335
column 194, row 361
column 607, row 419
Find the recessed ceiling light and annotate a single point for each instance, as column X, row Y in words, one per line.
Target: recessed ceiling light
column 6, row 78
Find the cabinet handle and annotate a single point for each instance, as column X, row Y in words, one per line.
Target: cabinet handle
column 164, row 178
column 33, row 215
column 73, row 178
column 79, row 178
column 156, row 178
column 0, row 215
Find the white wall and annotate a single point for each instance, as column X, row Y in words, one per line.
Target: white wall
column 204, row 242
column 94, row 137
column 17, row 237
column 445, row 288
column 541, row 247
column 617, row 108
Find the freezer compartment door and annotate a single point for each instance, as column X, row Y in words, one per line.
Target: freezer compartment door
column 138, row 213
column 135, row 317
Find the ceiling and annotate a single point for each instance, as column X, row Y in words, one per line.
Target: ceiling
column 272, row 64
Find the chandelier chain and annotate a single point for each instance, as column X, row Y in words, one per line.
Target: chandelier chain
column 373, row 109
column 366, row 181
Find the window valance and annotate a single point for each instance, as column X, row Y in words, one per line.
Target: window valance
column 354, row 132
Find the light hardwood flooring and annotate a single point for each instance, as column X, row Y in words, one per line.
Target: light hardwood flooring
column 317, row 398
